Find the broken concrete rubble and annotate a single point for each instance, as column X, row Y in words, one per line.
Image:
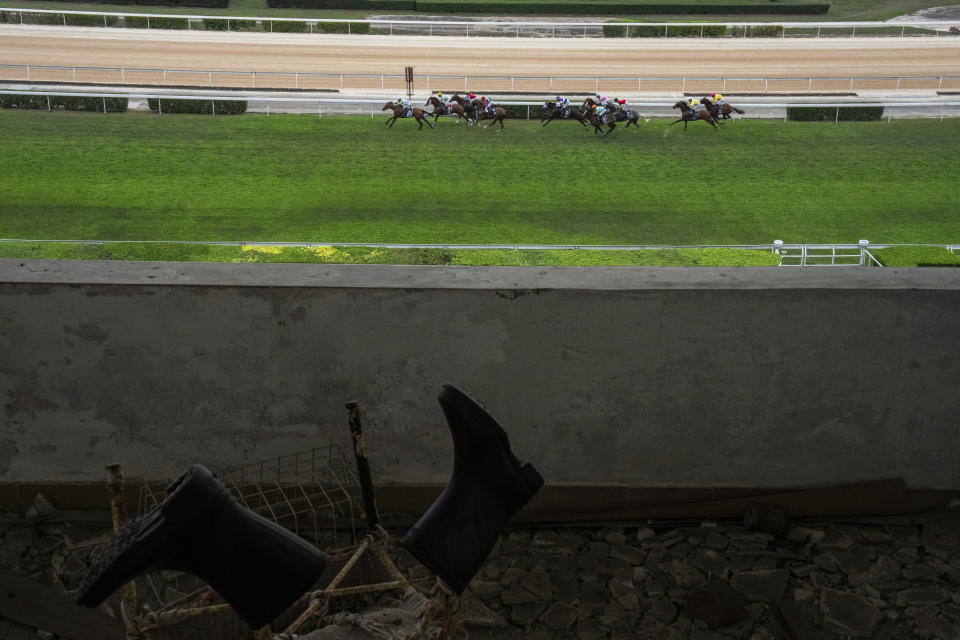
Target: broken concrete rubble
column 923, row 601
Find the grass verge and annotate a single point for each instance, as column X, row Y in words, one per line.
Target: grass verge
column 365, row 255
column 258, row 178
column 917, row 257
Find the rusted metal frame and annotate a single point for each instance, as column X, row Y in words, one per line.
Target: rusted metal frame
column 401, row 585
column 118, row 509
column 443, row 599
column 179, row 615
column 385, row 560
column 293, row 512
column 333, row 507
column 320, row 598
column 354, row 412
column 349, row 500
column 313, row 511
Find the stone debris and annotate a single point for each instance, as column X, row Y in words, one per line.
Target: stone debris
column 886, row 582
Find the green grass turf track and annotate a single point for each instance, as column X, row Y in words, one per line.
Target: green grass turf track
column 349, row 179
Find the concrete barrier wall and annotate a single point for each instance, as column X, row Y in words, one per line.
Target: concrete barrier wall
column 638, row 377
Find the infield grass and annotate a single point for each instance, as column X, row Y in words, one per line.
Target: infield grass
column 292, row 178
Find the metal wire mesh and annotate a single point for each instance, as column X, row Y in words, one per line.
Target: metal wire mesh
column 314, row 493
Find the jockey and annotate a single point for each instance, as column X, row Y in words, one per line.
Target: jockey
column 621, row 103
column 471, row 96
column 485, row 102
column 716, row 99
column 562, row 103
column 693, row 103
column 442, row 98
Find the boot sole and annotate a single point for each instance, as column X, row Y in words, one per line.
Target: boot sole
column 141, row 542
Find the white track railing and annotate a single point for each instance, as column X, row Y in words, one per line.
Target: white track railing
column 349, row 106
column 374, row 101
column 485, row 84
column 532, row 28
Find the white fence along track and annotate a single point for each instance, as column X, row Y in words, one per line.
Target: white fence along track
column 533, row 28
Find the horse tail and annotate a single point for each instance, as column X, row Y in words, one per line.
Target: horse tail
column 741, row 111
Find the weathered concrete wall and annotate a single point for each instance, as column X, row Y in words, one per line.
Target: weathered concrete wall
column 641, row 377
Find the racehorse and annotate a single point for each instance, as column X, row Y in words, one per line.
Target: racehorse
column 499, row 113
column 620, row 115
column 598, row 121
column 470, row 108
column 725, row 109
column 687, row 114
column 416, row 112
column 556, row 113
column 440, row 109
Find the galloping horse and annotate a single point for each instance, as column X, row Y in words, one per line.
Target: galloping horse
column 416, row 112
column 687, row 114
column 499, row 113
column 620, row 115
column 440, row 109
column 555, row 113
column 725, row 109
column 470, row 108
column 598, row 121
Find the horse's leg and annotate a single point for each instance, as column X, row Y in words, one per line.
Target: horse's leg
column 391, row 121
column 675, row 122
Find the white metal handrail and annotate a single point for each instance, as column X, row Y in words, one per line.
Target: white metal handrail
column 227, row 97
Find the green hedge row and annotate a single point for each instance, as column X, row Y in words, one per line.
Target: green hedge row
column 615, row 31
column 137, row 22
column 380, row 5
column 448, row 6
column 341, row 27
column 222, row 24
column 59, row 19
column 846, row 114
column 68, row 103
column 214, row 4
column 282, row 26
column 223, row 107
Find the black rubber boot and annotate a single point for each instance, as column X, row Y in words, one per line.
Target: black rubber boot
column 488, row 485
column 258, row 567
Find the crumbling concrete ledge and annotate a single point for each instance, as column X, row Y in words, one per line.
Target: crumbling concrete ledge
column 619, row 379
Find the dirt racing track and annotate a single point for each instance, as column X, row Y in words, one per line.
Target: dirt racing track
column 458, row 56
